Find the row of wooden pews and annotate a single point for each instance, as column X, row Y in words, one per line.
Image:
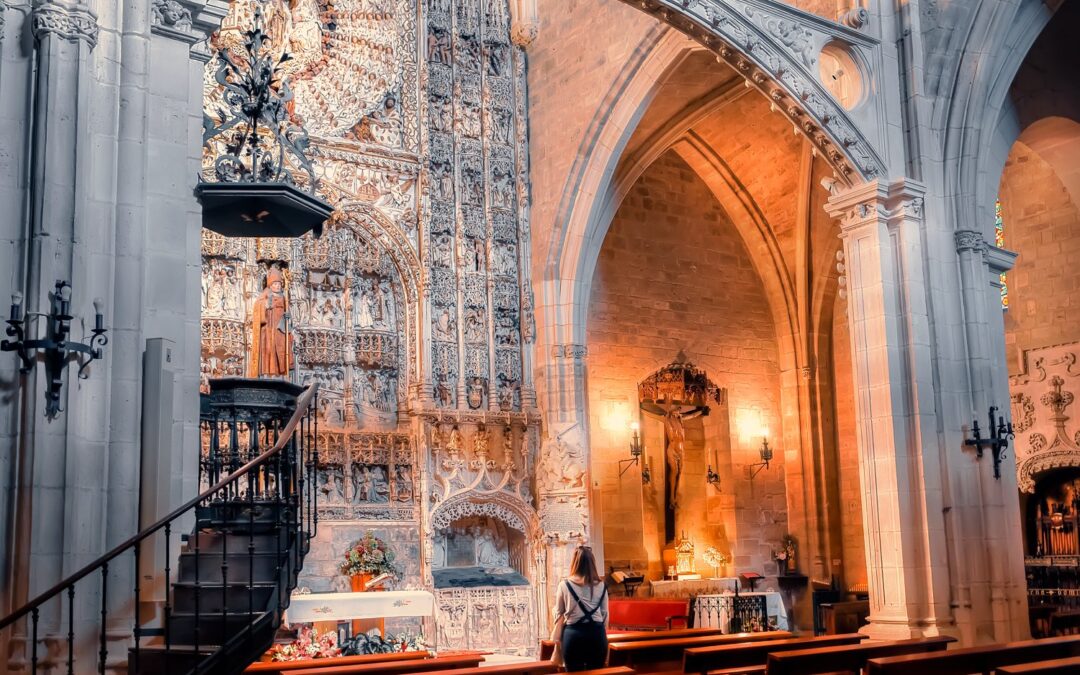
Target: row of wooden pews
column 781, row 653
column 707, row 652
column 404, row 663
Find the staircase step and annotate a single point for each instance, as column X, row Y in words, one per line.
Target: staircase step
column 177, row 660
column 213, row 626
column 236, row 596
column 244, row 516
column 261, row 567
column 213, row 541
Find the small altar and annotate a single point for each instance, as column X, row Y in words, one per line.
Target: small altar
column 319, row 607
column 685, row 588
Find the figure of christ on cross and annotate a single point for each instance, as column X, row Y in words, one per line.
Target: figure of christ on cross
column 676, row 447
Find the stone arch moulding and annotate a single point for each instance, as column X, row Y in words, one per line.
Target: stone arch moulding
column 1028, row 471
column 516, row 515
column 368, row 222
column 775, row 48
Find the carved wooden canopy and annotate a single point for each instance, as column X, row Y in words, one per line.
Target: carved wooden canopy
column 679, row 383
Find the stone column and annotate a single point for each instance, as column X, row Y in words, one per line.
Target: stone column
column 897, row 419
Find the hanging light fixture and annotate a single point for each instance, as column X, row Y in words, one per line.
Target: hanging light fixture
column 637, row 449
column 766, row 454
column 257, row 152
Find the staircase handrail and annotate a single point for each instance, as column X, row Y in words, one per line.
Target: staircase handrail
column 303, row 402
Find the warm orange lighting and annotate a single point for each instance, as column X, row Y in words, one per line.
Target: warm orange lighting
column 634, row 426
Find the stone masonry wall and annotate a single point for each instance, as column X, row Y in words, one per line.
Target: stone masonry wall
column 1042, row 224
column 674, row 275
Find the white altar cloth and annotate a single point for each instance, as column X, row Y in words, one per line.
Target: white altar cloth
column 312, row 607
column 688, row 587
column 774, row 607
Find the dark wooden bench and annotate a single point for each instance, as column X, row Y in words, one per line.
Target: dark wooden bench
column 982, row 659
column 396, row 667
column 649, row 656
column 844, row 617
column 706, row 659
column 851, row 658
column 1056, row 667
column 280, row 667
column 619, row 670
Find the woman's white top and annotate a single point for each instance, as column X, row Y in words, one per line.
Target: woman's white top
column 565, row 605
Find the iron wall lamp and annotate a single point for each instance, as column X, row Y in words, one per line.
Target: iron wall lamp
column 55, row 346
column 998, row 441
column 636, row 451
column 713, row 478
column 766, row 454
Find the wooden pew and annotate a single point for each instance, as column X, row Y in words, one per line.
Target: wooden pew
column 618, row 670
column 280, row 667
column 648, row 656
column 396, row 667
column 982, row 659
column 639, row 635
column 523, row 668
column 852, row 658
column 706, row 659
column 1068, row 666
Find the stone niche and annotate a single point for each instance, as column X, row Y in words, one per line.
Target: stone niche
column 479, row 551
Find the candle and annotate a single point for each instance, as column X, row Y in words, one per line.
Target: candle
column 16, row 306
column 99, row 318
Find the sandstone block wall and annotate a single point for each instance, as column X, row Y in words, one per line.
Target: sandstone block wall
column 675, row 275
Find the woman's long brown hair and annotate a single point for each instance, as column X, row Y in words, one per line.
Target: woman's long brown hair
column 583, row 565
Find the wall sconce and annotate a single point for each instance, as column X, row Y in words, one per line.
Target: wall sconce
column 56, row 347
column 636, row 450
column 998, row 441
column 766, row 456
column 713, row 478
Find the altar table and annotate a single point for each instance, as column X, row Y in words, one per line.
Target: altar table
column 321, row 608
column 689, row 587
column 774, row 607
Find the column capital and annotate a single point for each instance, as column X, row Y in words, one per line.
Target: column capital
column 524, row 24
column 71, row 21
column 875, row 201
column 576, row 352
column 970, row 240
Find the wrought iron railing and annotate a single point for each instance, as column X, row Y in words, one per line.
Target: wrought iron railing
column 257, row 463
column 731, row 613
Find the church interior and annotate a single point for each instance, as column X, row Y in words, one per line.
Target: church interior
column 350, row 336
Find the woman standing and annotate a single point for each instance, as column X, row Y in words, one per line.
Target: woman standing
column 581, row 614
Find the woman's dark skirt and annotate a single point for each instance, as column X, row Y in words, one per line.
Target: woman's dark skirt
column 584, row 646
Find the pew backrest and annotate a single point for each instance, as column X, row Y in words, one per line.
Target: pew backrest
column 280, row 667
column 641, row 635
column 983, row 659
column 396, row 667
column 523, row 668
column 811, row 661
column 667, row 654
column 705, row 659
column 1069, row 665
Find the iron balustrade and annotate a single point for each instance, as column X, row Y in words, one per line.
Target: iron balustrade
column 732, row 613
column 261, row 499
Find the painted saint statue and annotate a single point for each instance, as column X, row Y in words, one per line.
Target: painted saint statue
column 270, row 327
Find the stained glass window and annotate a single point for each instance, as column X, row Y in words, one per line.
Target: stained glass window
column 999, row 241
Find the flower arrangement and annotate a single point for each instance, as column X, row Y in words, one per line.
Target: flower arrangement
column 714, row 558
column 785, row 557
column 307, row 645
column 370, row 555
column 375, row 644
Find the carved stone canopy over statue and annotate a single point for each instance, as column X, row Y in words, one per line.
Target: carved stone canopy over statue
column 677, row 392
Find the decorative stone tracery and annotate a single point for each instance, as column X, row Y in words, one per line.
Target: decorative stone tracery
column 1041, row 396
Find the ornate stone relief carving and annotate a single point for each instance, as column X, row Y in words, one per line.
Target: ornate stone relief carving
column 367, row 476
column 1041, row 397
column 483, row 617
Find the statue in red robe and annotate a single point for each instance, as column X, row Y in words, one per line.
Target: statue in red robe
column 270, row 318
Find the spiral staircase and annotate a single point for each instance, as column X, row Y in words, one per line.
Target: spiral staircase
column 241, row 547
